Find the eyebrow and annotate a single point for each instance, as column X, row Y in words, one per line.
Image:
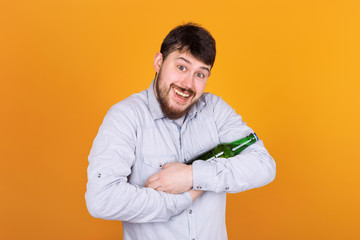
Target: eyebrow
column 188, row 62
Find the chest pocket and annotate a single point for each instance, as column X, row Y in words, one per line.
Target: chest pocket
column 153, row 163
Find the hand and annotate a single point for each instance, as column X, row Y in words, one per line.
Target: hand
column 174, row 178
column 195, row 194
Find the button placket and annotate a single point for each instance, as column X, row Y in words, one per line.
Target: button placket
column 192, row 224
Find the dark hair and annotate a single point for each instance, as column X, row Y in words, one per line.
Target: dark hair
column 193, row 38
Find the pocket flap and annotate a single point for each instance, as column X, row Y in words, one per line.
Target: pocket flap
column 158, row 161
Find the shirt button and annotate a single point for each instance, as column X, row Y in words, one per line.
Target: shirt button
column 227, row 188
column 190, row 211
column 160, row 165
column 198, row 187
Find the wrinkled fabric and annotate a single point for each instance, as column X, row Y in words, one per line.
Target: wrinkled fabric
column 135, row 141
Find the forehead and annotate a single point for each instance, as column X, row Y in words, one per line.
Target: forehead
column 187, row 57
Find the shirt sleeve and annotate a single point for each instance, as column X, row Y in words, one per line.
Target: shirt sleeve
column 109, row 195
column 252, row 168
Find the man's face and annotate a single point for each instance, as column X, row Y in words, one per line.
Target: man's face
column 180, row 82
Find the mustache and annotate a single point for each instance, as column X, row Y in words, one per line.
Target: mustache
column 189, row 90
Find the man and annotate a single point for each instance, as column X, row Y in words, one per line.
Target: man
column 136, row 168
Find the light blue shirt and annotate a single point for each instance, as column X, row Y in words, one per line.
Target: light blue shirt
column 135, row 140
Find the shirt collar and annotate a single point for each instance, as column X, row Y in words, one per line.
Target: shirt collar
column 155, row 108
column 154, row 104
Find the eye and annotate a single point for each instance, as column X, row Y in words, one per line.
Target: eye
column 200, row 75
column 181, row 68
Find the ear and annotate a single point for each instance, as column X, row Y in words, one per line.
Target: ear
column 158, row 59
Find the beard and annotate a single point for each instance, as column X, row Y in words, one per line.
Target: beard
column 163, row 93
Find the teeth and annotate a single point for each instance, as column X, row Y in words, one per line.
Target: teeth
column 181, row 94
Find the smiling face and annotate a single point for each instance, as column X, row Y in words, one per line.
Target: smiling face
column 179, row 83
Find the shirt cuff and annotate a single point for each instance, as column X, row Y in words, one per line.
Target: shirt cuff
column 204, row 175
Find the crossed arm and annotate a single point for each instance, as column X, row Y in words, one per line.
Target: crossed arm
column 253, row 168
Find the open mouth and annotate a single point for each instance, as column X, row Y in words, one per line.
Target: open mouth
column 181, row 93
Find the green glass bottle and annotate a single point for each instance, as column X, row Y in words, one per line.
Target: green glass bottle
column 227, row 150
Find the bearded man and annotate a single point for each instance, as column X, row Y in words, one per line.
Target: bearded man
column 137, row 166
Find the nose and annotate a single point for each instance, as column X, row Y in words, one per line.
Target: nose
column 187, row 81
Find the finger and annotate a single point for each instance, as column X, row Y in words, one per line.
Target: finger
column 149, row 183
column 154, row 185
column 152, row 178
column 160, row 189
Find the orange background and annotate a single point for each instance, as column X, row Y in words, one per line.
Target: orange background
column 290, row 68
